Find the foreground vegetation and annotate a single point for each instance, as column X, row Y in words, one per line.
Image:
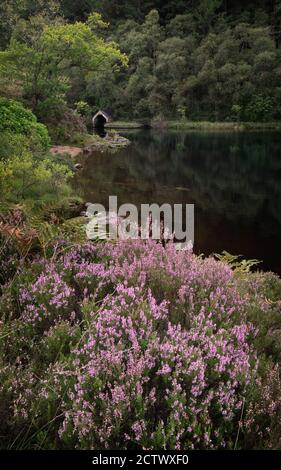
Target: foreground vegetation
column 133, row 345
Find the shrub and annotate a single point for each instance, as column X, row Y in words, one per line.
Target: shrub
column 15, row 119
column 27, row 177
column 132, row 345
column 62, row 130
column 262, row 421
column 13, row 144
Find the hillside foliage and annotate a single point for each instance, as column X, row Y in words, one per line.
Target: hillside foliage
column 211, row 59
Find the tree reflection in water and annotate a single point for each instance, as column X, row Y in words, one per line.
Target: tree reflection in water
column 233, row 178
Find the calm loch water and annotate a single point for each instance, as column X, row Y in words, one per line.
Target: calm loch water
column 233, row 178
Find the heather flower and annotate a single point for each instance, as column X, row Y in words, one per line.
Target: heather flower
column 133, row 345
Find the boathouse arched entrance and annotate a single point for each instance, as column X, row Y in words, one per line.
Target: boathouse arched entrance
column 100, row 119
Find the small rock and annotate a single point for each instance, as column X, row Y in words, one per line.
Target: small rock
column 78, row 166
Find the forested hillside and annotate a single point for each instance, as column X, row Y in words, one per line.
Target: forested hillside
column 207, row 59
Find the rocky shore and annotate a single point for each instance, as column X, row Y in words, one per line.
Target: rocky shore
column 112, row 142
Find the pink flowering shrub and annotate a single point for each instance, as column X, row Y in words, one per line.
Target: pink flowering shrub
column 147, row 382
column 48, row 299
column 262, row 419
column 133, row 345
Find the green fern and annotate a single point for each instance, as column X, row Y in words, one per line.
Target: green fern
column 235, row 261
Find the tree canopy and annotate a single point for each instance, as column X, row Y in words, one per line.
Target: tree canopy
column 46, row 58
column 209, row 59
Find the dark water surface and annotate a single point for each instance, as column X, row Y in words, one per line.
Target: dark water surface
column 233, row 178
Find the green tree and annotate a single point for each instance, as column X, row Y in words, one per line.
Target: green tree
column 205, row 13
column 259, row 109
column 43, row 60
column 205, row 57
column 11, row 11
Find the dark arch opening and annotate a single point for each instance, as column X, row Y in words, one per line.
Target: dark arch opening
column 99, row 122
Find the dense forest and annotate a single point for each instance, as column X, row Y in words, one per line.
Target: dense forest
column 195, row 60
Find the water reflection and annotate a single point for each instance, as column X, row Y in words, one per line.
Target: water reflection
column 232, row 178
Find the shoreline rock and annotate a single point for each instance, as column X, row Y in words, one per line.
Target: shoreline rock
column 111, row 142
